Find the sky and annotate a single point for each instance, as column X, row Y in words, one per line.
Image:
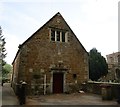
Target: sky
column 94, row 22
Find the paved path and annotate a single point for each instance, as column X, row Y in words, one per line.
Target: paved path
column 70, row 99
column 8, row 95
column 9, row 98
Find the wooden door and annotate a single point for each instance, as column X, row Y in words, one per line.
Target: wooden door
column 57, row 82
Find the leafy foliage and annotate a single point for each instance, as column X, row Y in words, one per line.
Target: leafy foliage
column 97, row 65
column 2, row 45
column 2, row 52
column 6, row 69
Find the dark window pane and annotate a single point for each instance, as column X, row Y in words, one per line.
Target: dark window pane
column 63, row 36
column 74, row 76
column 58, row 35
column 52, row 35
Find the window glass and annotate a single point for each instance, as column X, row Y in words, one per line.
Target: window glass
column 53, row 35
column 74, row 76
column 63, row 36
column 58, row 35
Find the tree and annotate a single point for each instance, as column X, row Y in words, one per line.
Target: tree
column 2, row 52
column 97, row 65
column 7, row 69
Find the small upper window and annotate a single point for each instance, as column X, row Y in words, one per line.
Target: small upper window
column 74, row 76
column 53, row 35
column 58, row 35
column 63, row 36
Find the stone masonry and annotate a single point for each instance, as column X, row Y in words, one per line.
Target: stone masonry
column 39, row 58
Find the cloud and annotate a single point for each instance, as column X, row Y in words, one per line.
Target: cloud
column 93, row 21
column 11, row 46
column 45, row 1
column 17, row 28
column 1, row 11
column 18, row 21
column 98, row 26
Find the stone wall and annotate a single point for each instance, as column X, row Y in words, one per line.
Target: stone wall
column 39, row 55
column 96, row 88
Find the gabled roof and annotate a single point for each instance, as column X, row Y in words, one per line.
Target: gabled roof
column 43, row 27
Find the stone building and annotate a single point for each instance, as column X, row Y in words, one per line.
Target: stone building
column 113, row 61
column 52, row 60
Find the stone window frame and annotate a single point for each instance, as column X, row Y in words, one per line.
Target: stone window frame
column 60, row 32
